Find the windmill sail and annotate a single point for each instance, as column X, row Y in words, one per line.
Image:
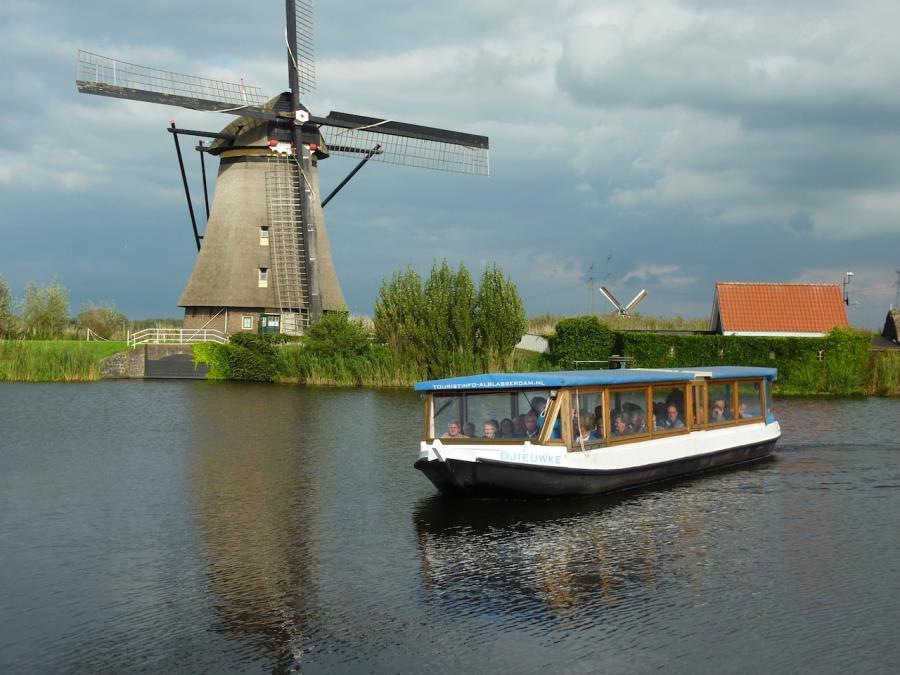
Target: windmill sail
column 302, row 52
column 406, row 144
column 105, row 76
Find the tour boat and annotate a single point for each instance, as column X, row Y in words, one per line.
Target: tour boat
column 592, row 432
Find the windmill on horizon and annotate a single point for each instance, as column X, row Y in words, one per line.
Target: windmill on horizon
column 265, row 262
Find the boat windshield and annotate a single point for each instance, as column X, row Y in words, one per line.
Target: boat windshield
column 488, row 415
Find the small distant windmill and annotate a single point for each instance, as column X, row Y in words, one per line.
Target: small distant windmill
column 623, row 311
column 265, row 261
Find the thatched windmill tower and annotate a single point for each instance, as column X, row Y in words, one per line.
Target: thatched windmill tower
column 265, row 261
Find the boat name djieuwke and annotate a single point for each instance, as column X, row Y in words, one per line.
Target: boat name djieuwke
column 530, row 457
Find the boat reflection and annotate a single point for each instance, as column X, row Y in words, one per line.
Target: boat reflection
column 573, row 560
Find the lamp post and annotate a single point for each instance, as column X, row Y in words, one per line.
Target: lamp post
column 848, row 277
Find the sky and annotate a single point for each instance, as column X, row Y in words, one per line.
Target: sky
column 638, row 145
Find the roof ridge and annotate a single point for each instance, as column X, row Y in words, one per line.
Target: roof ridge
column 773, row 283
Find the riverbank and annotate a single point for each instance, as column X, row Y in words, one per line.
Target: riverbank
column 54, row 360
column 79, row 361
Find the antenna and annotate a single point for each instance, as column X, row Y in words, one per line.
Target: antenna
column 897, row 297
column 590, row 288
column 848, row 277
column 623, row 311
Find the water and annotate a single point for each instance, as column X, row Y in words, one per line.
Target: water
column 203, row 527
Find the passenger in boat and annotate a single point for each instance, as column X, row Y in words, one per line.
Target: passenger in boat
column 538, row 404
column 491, row 429
column 620, row 425
column 468, row 430
column 719, row 412
column 453, row 430
column 586, row 428
column 673, row 418
column 598, row 416
column 638, row 422
column 507, row 428
column 531, row 427
column 519, row 426
column 659, row 415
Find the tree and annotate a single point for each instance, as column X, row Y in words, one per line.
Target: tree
column 103, row 320
column 462, row 312
column 45, row 311
column 500, row 318
column 400, row 316
column 7, row 314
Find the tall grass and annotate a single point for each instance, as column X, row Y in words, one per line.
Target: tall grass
column 376, row 368
column 54, row 360
column 883, row 378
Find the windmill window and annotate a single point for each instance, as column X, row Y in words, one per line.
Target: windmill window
column 247, row 322
column 263, row 277
column 264, row 235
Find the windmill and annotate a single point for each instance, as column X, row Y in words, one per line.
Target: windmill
column 623, row 311
column 265, row 261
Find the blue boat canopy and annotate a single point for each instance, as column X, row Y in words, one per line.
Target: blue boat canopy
column 584, row 378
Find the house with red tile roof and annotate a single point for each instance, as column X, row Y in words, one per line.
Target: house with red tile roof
column 788, row 310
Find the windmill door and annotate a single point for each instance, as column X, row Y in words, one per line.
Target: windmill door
column 270, row 323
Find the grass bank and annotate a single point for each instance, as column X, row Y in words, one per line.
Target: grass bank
column 54, row 360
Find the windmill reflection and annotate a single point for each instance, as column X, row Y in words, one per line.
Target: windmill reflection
column 251, row 492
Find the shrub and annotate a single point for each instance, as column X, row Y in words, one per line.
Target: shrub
column 103, row 320
column 335, row 333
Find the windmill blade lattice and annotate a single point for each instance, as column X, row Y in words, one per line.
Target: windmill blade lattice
column 406, row 144
column 302, row 49
column 106, row 76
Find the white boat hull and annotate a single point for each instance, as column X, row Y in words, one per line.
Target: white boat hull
column 549, row 470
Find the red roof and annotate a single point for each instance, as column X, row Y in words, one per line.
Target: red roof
column 779, row 308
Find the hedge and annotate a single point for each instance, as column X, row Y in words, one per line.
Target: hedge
column 835, row 364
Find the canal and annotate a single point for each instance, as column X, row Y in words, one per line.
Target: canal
column 216, row 527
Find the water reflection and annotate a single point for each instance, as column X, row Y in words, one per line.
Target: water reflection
column 568, row 560
column 250, row 493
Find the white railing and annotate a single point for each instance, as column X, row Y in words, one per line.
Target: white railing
column 176, row 336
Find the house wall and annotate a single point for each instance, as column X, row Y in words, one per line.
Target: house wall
column 211, row 317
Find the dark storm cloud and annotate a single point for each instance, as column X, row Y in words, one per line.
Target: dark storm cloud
column 668, row 144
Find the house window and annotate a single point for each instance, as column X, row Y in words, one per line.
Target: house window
column 247, row 322
column 264, row 235
column 263, row 277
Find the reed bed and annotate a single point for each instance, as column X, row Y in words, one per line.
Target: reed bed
column 375, row 368
column 883, row 377
column 54, row 360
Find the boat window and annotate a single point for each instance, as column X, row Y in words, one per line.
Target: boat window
column 749, row 400
column 770, row 408
column 489, row 415
column 587, row 418
column 628, row 412
column 721, row 402
column 669, row 409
